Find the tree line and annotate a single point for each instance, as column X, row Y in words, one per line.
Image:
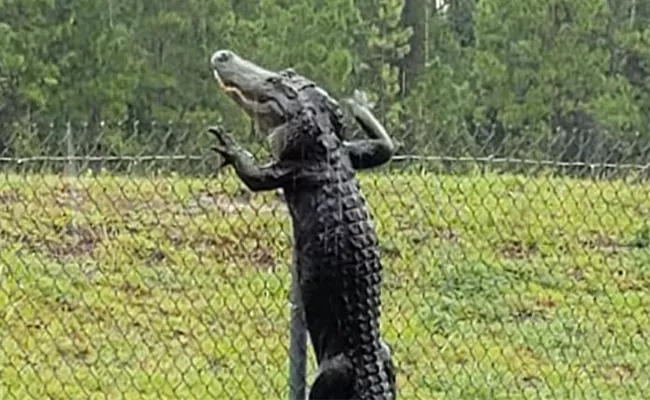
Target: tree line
column 563, row 80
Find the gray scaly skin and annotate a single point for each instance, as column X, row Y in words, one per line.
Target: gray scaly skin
column 336, row 249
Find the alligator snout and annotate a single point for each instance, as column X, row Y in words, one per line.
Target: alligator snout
column 234, row 72
column 252, row 87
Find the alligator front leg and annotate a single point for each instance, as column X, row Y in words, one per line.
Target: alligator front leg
column 369, row 153
column 256, row 178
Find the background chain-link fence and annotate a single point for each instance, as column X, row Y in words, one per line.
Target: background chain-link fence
column 514, row 222
column 156, row 277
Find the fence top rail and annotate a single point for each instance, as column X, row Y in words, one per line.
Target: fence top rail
column 398, row 158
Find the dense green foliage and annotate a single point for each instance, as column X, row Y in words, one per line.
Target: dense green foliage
column 556, row 79
column 495, row 287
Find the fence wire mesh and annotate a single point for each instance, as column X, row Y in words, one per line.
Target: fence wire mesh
column 151, row 275
column 513, row 223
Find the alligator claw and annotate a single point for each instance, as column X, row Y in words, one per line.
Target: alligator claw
column 218, row 132
column 219, row 149
column 228, row 141
column 223, row 136
column 216, row 129
column 225, row 155
column 359, row 100
column 226, row 146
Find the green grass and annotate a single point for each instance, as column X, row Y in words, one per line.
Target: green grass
column 495, row 287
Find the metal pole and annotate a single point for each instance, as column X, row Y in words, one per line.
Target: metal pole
column 297, row 341
column 71, row 167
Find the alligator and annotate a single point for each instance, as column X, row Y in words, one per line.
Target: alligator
column 336, row 252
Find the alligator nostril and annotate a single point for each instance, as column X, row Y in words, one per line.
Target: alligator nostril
column 221, row 56
column 224, row 56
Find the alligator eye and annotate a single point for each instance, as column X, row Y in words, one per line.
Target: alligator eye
column 274, row 80
column 263, row 98
column 289, row 72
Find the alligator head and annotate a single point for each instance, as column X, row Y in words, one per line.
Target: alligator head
column 278, row 101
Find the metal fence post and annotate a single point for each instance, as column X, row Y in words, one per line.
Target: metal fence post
column 71, row 168
column 297, row 341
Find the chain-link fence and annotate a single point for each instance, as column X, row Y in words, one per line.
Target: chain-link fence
column 149, row 275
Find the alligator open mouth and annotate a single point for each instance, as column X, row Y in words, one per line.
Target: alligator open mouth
column 255, row 105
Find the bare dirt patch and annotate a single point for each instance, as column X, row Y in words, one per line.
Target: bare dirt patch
column 446, row 233
column 230, row 204
column 9, row 197
column 69, row 243
column 517, row 250
column 616, row 372
column 263, row 258
column 600, row 241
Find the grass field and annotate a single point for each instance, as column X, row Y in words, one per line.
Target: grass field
column 495, row 287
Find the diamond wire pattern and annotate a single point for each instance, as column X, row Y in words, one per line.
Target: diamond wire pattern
column 59, row 299
column 496, row 285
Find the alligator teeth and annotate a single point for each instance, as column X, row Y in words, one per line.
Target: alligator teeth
column 218, row 78
column 226, row 88
column 221, row 83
